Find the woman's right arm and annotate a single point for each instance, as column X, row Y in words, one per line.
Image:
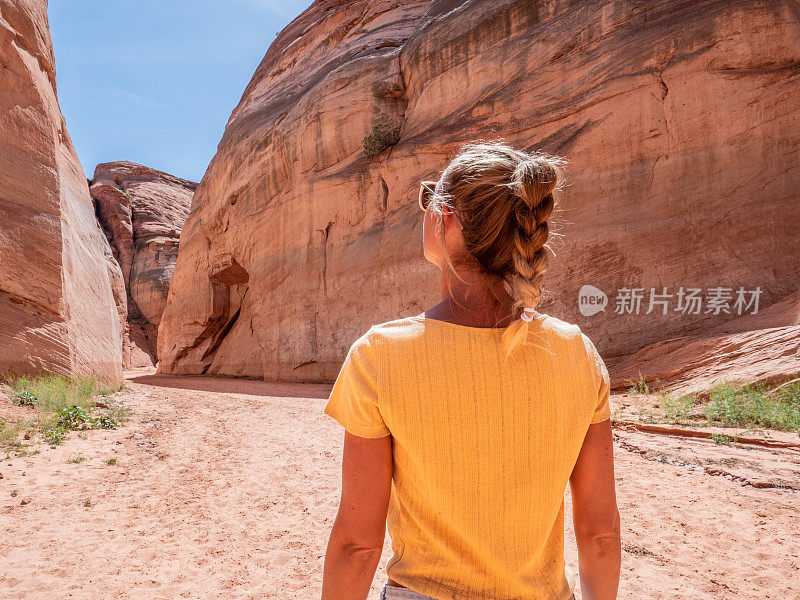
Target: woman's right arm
column 595, row 515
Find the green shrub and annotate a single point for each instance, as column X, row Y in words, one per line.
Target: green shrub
column 55, row 435
column 73, row 417
column 382, row 137
column 77, row 418
column 24, row 398
column 104, row 422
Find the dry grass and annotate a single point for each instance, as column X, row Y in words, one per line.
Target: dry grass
column 46, row 407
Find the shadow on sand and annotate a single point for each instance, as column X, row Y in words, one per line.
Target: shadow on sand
column 233, row 385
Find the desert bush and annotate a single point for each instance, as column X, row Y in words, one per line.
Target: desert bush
column 678, row 409
column 737, row 405
column 729, row 405
column 73, row 417
column 55, row 435
column 382, row 137
column 24, row 398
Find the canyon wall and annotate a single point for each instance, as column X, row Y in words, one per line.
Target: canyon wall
column 61, row 291
column 142, row 211
column 679, row 121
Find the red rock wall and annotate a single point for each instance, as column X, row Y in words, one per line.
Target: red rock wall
column 142, row 211
column 59, row 283
column 680, row 122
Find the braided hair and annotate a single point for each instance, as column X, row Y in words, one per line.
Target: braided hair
column 504, row 199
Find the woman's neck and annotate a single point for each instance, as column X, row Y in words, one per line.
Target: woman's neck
column 477, row 301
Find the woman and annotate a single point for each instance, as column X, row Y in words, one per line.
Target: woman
column 463, row 424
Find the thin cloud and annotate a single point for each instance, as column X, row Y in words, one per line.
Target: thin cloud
column 146, row 102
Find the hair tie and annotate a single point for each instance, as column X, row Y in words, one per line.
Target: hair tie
column 527, row 314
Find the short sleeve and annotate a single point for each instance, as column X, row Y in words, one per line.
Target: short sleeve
column 353, row 401
column 602, row 406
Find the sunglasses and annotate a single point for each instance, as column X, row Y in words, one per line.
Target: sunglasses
column 427, row 189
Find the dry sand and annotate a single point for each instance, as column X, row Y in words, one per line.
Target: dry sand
column 227, row 488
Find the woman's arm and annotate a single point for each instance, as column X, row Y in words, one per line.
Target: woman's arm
column 356, row 541
column 595, row 515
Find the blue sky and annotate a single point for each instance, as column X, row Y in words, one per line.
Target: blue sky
column 154, row 81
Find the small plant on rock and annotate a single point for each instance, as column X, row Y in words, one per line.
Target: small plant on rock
column 721, row 439
column 382, row 137
column 639, row 386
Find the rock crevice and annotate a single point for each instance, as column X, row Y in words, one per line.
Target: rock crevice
column 142, row 211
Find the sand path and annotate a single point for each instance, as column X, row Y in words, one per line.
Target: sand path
column 227, row 488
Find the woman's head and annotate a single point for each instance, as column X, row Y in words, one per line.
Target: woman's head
column 489, row 212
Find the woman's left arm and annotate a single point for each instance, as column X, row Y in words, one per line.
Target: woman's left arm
column 356, row 541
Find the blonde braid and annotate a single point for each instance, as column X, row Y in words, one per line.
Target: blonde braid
column 534, row 181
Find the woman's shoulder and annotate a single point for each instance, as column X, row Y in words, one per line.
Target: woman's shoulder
column 573, row 333
column 559, row 326
column 396, row 329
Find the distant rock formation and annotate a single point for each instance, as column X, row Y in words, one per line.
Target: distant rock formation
column 142, row 211
column 680, row 121
column 59, row 283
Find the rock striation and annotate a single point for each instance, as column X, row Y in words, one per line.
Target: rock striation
column 142, row 211
column 59, row 282
column 679, row 121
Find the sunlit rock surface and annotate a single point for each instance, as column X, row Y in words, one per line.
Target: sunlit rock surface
column 59, row 283
column 680, row 122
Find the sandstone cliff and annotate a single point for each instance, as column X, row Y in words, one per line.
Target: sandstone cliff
column 142, row 211
column 760, row 348
column 680, row 122
column 59, row 283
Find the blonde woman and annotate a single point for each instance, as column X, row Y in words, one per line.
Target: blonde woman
column 463, row 424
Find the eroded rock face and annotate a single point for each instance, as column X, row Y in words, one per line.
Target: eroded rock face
column 679, row 120
column 142, row 211
column 59, row 282
column 755, row 348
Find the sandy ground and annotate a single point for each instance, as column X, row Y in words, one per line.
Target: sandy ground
column 227, row 488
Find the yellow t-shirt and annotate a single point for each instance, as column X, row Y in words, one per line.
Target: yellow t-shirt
column 482, row 449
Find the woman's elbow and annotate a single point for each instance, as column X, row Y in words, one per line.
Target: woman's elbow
column 364, row 546
column 604, row 531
